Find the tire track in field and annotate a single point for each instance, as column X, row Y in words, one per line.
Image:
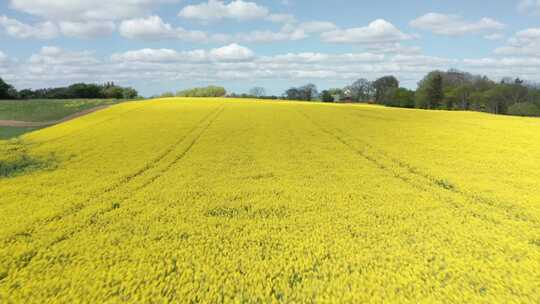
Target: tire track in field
column 519, row 213
column 419, row 176
column 128, row 178
column 13, row 240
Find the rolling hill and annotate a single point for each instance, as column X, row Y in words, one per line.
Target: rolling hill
column 211, row 200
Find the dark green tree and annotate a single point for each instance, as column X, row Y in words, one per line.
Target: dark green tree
column 434, row 91
column 383, row 85
column 326, row 96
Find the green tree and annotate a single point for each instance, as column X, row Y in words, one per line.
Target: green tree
column 130, row 93
column 7, row 91
column 383, row 85
column 524, row 109
column 326, row 96
column 434, row 92
column 361, row 90
column 113, row 92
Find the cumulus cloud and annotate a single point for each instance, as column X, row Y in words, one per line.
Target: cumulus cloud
column 56, row 66
column 285, row 34
column 317, row 26
column 52, row 55
column 229, row 53
column 89, row 29
column 309, row 57
column 154, row 28
column 232, row 52
column 84, row 10
column 214, row 10
column 494, row 37
column 379, row 32
column 523, row 43
column 281, row 18
column 160, row 56
column 529, row 7
column 455, row 25
column 17, row 29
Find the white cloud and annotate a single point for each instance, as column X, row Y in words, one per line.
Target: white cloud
column 160, row 56
column 232, row 52
column 494, row 36
column 229, row 53
column 84, row 10
column 153, row 28
column 286, row 34
column 3, row 59
column 281, row 18
column 323, row 58
column 55, row 66
column 214, row 10
column 529, row 7
column 497, row 63
column 422, row 60
column 379, row 31
column 394, row 48
column 52, row 55
column 90, row 29
column 454, row 25
column 17, row 29
column 523, row 43
column 317, row 26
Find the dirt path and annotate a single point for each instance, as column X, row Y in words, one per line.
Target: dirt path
column 24, row 124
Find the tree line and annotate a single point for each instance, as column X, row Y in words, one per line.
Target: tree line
column 443, row 90
column 108, row 90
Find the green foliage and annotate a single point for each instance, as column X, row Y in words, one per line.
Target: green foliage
column 434, row 91
column 167, row 95
column 307, row 92
column 524, row 109
column 362, row 90
column 399, row 97
column 209, row 91
column 7, row 91
column 326, row 96
column 77, row 91
column 12, row 132
column 383, row 85
column 41, row 110
column 15, row 160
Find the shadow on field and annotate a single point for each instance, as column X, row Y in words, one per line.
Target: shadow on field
column 15, row 160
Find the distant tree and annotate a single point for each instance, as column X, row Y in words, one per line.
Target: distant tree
column 209, row 91
column 326, row 96
column 524, row 109
column 167, row 95
column 26, row 94
column 308, row 92
column 257, row 92
column 7, row 91
column 130, row 93
column 435, row 93
column 113, row 92
column 293, row 94
column 337, row 93
column 361, row 90
column 383, row 85
column 399, row 97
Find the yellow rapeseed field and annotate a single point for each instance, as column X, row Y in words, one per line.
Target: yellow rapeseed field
column 215, row 200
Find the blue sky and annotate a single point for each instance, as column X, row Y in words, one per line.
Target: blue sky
column 168, row 45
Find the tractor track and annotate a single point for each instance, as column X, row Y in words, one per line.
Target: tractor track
column 12, row 240
column 423, row 181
